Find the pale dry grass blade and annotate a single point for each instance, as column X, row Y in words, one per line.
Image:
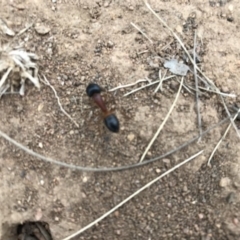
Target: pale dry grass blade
column 144, row 34
column 58, row 100
column 132, row 196
column 229, row 115
column 160, row 82
column 130, row 84
column 222, row 138
column 34, row 80
column 148, row 85
column 163, row 123
column 5, row 76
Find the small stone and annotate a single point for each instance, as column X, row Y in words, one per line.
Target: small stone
column 40, row 145
column 85, row 179
column 166, row 160
column 224, row 182
column 110, row 44
column 201, row 216
column 179, row 29
column 225, row 89
column 131, row 136
column 116, row 214
column 158, row 170
column 185, row 189
column 230, row 8
column 40, row 107
column 106, row 4
column 42, row 182
column 71, row 132
column 38, row 214
column 235, row 221
column 42, row 29
column 56, row 219
column 131, row 8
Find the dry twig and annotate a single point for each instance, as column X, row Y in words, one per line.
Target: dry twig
column 130, row 84
column 144, row 34
column 45, row 81
column 196, row 86
column 148, row 85
column 220, row 141
column 163, row 123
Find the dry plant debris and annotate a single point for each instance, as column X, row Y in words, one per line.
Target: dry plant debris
column 17, row 66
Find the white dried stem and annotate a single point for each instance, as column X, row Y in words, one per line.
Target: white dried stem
column 163, row 123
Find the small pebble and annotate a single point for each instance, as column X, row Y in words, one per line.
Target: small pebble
column 131, row 136
column 40, row 145
column 42, row 30
column 224, row 182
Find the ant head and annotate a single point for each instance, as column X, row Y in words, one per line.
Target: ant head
column 92, row 89
column 112, row 123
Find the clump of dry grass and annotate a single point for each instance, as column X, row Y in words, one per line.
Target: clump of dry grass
column 16, row 67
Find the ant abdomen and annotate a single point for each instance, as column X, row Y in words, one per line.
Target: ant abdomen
column 112, row 123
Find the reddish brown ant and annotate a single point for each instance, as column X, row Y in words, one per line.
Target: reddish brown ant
column 111, row 122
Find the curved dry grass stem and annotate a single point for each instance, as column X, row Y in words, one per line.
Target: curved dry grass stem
column 163, row 123
column 58, row 100
column 220, row 141
column 132, row 196
column 107, row 169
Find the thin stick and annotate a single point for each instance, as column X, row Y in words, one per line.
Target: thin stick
column 220, row 141
column 5, row 76
column 163, row 123
column 196, row 86
column 134, row 25
column 58, row 100
column 161, row 81
column 186, row 87
column 132, row 196
column 229, row 115
column 181, row 43
column 25, row 29
column 148, row 85
column 107, row 169
column 129, row 85
column 210, row 90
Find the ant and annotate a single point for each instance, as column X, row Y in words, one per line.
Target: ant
column 110, row 120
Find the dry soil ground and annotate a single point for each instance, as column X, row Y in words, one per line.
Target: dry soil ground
column 94, row 41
